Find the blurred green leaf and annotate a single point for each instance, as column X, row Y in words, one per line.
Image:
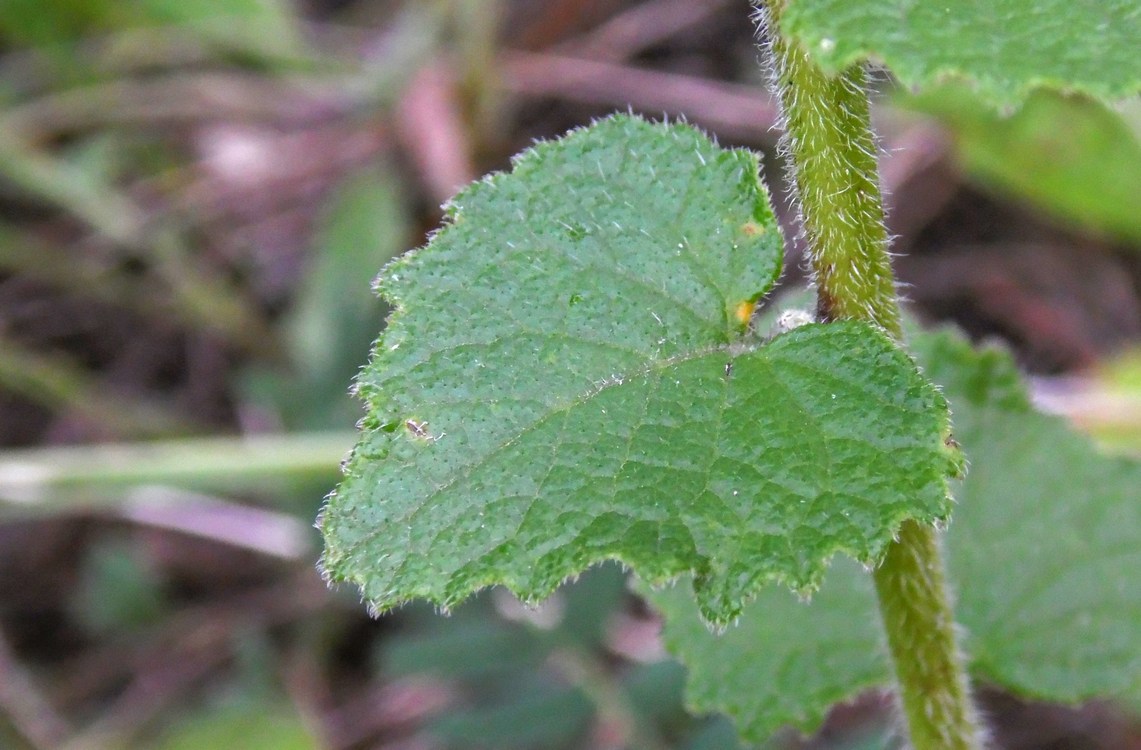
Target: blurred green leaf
column 231, row 22
column 786, row 662
column 475, row 641
column 45, row 22
column 49, row 23
column 273, row 14
column 469, row 649
column 716, row 733
column 539, row 719
column 1045, row 543
column 335, row 316
column 241, row 725
column 119, row 592
column 656, row 690
column 1067, row 155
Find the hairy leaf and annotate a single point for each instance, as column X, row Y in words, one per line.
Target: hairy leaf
column 1005, row 46
column 568, row 378
column 1046, row 543
column 1043, row 552
column 786, row 661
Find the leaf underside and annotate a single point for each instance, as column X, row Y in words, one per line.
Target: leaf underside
column 1007, row 47
column 569, row 378
column 1042, row 552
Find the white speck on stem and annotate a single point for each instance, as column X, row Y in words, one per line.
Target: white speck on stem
column 827, row 44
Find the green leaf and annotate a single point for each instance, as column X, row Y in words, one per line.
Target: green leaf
column 1045, row 545
column 119, row 592
column 1005, row 46
column 474, row 650
column 542, row 718
column 62, row 21
column 786, row 662
column 568, row 379
column 1043, row 550
column 256, row 725
column 1068, row 155
column 271, row 23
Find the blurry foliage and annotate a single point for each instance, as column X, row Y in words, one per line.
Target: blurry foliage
column 335, row 316
column 249, row 726
column 120, row 593
column 40, row 23
column 538, row 678
column 1068, row 155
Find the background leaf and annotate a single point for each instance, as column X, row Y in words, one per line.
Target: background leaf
column 62, row 21
column 1006, row 46
column 541, row 719
column 602, row 399
column 256, row 726
column 335, row 317
column 1068, row 155
column 798, row 659
column 1043, row 544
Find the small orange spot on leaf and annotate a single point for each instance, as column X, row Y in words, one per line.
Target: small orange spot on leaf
column 744, row 311
column 752, row 229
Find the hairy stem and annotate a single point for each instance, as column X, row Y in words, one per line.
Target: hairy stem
column 917, row 616
column 829, row 141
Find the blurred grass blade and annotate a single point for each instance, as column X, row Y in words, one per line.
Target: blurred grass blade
column 78, row 191
column 52, row 479
column 60, row 384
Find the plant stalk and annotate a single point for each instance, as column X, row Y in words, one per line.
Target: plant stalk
column 831, row 150
column 48, row 480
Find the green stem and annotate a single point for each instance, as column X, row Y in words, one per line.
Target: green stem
column 829, row 139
